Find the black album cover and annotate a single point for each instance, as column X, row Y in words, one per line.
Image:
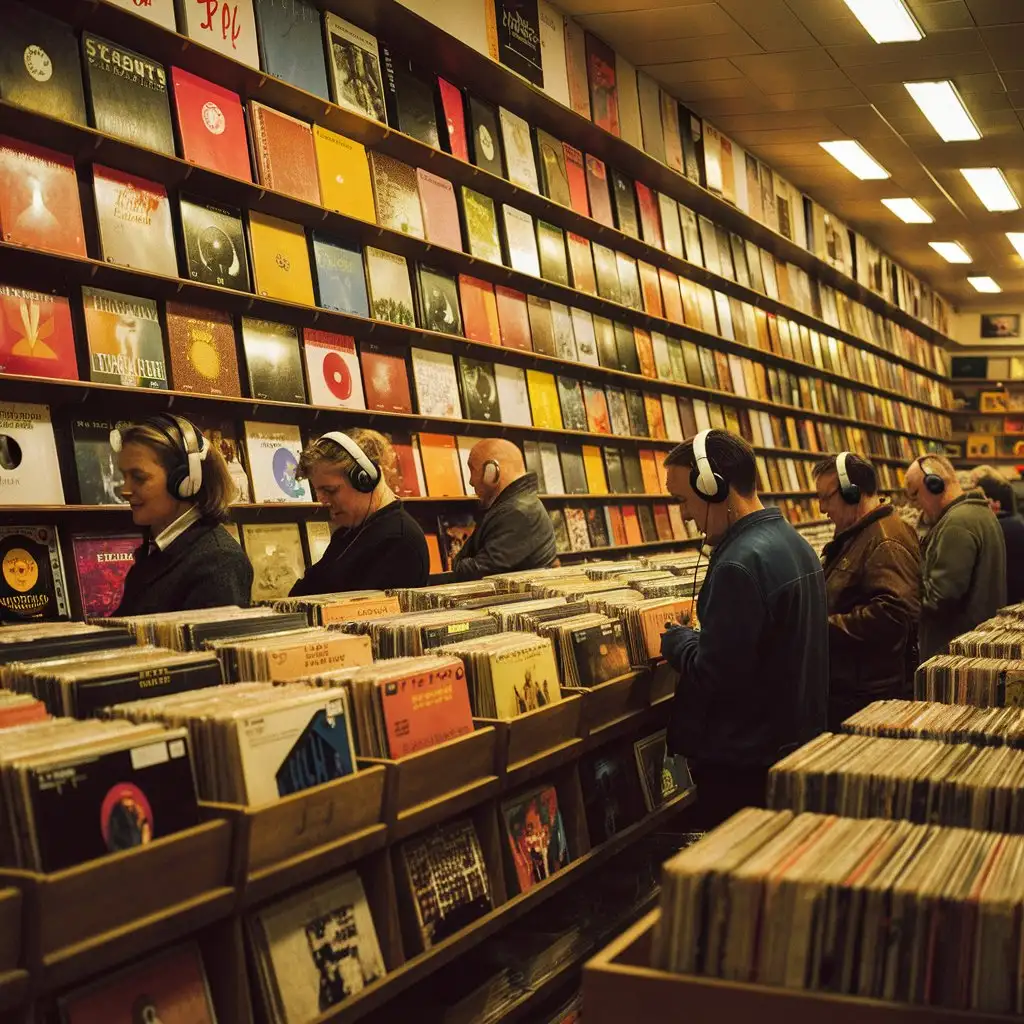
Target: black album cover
column 648, row 530
column 607, row 350
column 625, row 204
column 214, row 245
column 479, row 390
column 570, row 398
column 409, row 99
column 634, row 472
column 554, row 264
column 485, row 137
column 637, row 414
column 606, row 267
column 88, row 806
column 574, row 473
column 127, row 94
column 554, row 176
column 600, row 652
column 31, row 574
column 613, row 468
column 518, row 23
column 40, row 67
column 89, row 696
column 557, row 517
column 612, row 797
column 625, row 343
column 99, row 479
column 292, row 44
column 597, row 526
column 438, row 297
column 273, row 360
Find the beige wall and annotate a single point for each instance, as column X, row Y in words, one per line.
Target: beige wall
column 966, row 328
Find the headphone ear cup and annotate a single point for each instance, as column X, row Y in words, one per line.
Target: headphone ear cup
column 934, row 483
column 177, row 482
column 361, row 480
column 721, row 487
column 850, row 494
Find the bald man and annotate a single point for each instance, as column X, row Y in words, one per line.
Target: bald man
column 513, row 528
column 963, row 563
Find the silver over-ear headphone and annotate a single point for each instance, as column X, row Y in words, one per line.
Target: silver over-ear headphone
column 709, row 484
column 365, row 474
column 186, row 478
column 491, row 471
column 848, row 491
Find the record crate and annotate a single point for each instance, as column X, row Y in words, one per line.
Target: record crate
column 14, row 979
column 663, row 682
column 94, row 916
column 537, row 741
column 290, row 841
column 618, row 986
column 611, row 703
column 440, row 782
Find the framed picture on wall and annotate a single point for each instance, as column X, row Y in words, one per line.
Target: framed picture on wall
column 1000, row 325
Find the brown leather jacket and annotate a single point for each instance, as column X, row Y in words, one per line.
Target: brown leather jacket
column 872, row 580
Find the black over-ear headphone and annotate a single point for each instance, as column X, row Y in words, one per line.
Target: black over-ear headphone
column 704, row 478
column 185, row 478
column 365, row 474
column 848, row 490
column 933, row 483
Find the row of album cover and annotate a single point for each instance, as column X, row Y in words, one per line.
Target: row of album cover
column 374, row 81
column 987, row 445
column 988, row 403
column 125, row 338
column 987, row 368
column 137, row 230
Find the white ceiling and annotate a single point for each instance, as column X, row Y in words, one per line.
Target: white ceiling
column 779, row 76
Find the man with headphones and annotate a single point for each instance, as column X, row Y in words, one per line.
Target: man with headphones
column 375, row 544
column 179, row 489
column 872, row 579
column 963, row 566
column 753, row 680
column 513, row 528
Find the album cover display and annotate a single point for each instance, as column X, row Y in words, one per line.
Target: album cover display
column 554, row 264
column 134, row 217
column 396, row 192
column 389, row 287
column 355, row 68
column 127, row 94
column 291, row 44
column 340, row 278
column 535, row 833
column 612, row 796
column 126, row 344
column 99, row 479
column 570, row 398
column 513, row 318
column 223, row 435
column 565, row 335
column 285, row 156
column 522, row 167
column 479, row 310
column 485, row 137
column 453, row 107
column 411, row 98
column 275, row 551
column 280, row 259
column 36, row 336
column 438, row 296
column 272, row 360
column 211, row 125
column 481, row 226
column 232, row 32
column 604, row 102
column 541, row 325
column 513, row 396
column 101, row 564
column 554, row 177
column 385, row 379
column 520, row 241
column 607, row 270
column 343, row 170
column 574, row 473
column 32, row 584
column 479, row 390
column 437, row 386
column 332, row 369
column 598, row 191
column 214, row 245
column 273, row 453
column 577, row 179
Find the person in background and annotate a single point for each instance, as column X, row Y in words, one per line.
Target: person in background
column 872, row 580
column 377, row 545
column 179, row 490
column 963, row 568
column 1002, row 502
column 753, row 680
column 513, row 529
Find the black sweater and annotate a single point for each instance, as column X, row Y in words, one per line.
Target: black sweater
column 203, row 568
column 386, row 552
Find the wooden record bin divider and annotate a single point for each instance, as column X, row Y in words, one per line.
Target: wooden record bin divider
column 14, row 979
column 612, row 703
column 620, row 985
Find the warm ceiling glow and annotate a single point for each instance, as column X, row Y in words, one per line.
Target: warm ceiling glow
column 942, row 105
column 1016, row 240
column 984, row 284
column 910, row 211
column 887, row 21
column 951, row 252
column 856, row 159
column 991, row 187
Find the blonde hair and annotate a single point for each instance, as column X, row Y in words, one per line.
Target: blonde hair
column 218, row 489
column 375, row 446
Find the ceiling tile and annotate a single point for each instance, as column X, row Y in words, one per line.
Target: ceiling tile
column 770, row 22
column 577, row 8
column 1006, row 45
column 870, row 53
column 941, row 15
column 921, row 69
column 719, row 88
column 822, row 99
column 668, row 51
column 996, row 12
column 698, row 71
column 706, row 19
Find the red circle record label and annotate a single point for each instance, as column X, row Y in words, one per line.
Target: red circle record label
column 126, row 818
column 337, row 376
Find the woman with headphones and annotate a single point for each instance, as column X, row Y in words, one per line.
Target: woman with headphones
column 376, row 545
column 179, row 490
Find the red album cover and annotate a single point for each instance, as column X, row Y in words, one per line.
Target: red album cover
column 455, row 118
column 598, row 421
column 513, row 318
column 101, row 564
column 645, row 350
column 23, row 714
column 650, row 286
column 618, row 526
column 39, row 204
column 670, row 294
column 597, row 190
column 211, row 125
column 662, row 522
column 631, row 525
column 425, row 710
column 581, row 262
column 385, row 380
column 401, row 475
column 577, row 179
column 479, row 310
column 285, row 155
column 650, row 216
column 36, row 337
column 604, row 96
column 655, row 417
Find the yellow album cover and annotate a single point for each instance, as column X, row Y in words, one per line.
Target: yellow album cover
column 980, row 446
column 992, row 401
column 544, row 400
column 593, row 465
column 280, row 259
column 344, row 173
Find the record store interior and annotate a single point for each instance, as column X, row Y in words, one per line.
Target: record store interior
column 511, row 511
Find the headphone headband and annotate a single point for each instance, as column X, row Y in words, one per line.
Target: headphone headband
column 185, row 479
column 848, row 490
column 365, row 474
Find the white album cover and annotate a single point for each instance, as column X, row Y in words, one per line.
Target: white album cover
column 332, row 369
column 29, row 470
column 273, row 450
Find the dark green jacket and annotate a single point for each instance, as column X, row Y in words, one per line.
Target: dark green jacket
column 512, row 534
column 963, row 572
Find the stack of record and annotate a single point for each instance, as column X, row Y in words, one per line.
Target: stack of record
column 961, row 679
column 191, row 630
column 591, row 648
column 985, row 642
column 329, row 609
column 291, row 655
column 445, row 595
column 951, row 723
column 413, row 633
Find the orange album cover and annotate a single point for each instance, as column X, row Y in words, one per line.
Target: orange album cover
column 440, row 456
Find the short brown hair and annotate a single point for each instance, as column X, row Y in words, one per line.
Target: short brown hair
column 730, row 456
column 217, row 490
column 376, row 447
column 860, row 471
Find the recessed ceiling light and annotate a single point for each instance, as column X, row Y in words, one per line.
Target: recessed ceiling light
column 910, row 211
column 991, row 187
column 887, row 21
column 856, row 159
column 942, row 105
column 984, row 284
column 1016, row 240
column 951, row 252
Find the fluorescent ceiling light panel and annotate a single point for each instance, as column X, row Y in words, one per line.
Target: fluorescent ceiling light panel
column 951, row 252
column 991, row 187
column 887, row 21
column 984, row 284
column 942, row 105
column 910, row 211
column 856, row 159
column 1016, row 240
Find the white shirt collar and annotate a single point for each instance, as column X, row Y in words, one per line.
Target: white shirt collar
column 177, row 528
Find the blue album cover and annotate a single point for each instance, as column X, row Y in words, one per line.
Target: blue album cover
column 322, row 753
column 340, row 279
column 292, row 43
